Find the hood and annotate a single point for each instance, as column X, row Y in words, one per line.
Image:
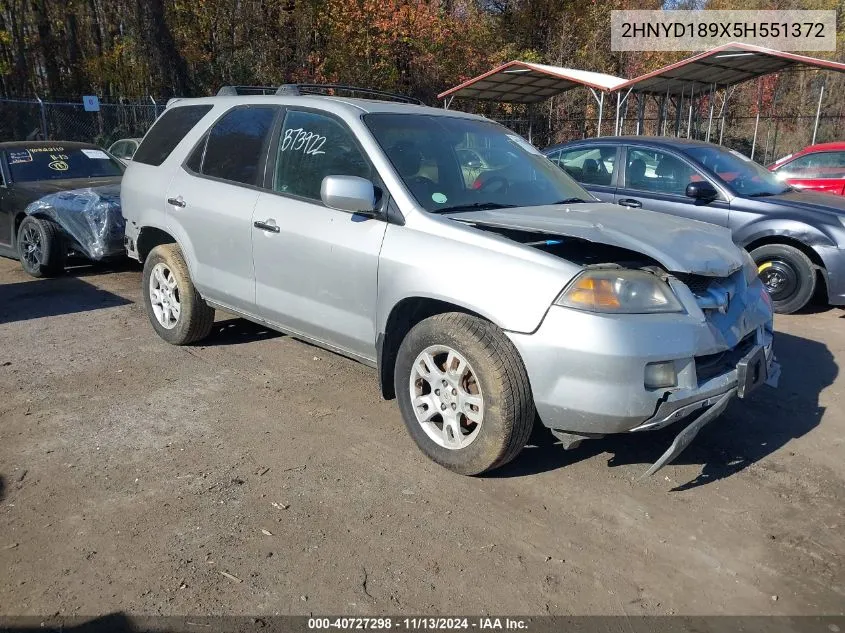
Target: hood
column 679, row 244
column 812, row 202
column 36, row 189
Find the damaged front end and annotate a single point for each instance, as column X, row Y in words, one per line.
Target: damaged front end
column 597, row 370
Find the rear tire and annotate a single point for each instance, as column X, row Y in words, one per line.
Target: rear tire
column 788, row 275
column 483, row 416
column 41, row 247
column 176, row 310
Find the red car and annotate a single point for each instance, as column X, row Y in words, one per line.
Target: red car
column 817, row 168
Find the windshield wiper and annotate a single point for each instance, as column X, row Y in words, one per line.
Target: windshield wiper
column 765, row 194
column 475, row 206
column 571, row 201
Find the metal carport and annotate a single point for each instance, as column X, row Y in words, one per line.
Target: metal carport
column 721, row 68
column 527, row 83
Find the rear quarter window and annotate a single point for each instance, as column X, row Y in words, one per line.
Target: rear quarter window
column 167, row 132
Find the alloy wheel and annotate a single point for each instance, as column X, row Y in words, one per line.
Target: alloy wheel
column 164, row 296
column 31, row 247
column 446, row 397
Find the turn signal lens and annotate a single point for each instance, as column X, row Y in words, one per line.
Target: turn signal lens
column 619, row 291
column 594, row 292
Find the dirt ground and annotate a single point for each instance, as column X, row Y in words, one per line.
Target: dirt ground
column 255, row 474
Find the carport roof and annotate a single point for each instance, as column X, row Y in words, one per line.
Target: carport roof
column 723, row 66
column 526, row 82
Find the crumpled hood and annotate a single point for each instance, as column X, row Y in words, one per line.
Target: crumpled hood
column 679, row 244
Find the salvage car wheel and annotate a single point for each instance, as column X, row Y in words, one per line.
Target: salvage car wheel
column 464, row 393
column 175, row 308
column 41, row 247
column 788, row 275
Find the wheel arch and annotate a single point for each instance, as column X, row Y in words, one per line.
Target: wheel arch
column 19, row 218
column 403, row 316
column 787, row 240
column 149, row 237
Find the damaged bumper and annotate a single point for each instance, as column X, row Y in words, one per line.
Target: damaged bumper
column 587, row 370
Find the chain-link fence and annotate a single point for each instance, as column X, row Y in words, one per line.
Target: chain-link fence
column 27, row 119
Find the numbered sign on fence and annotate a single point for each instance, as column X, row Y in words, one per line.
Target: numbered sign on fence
column 91, row 103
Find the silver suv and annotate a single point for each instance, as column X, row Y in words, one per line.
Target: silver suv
column 487, row 293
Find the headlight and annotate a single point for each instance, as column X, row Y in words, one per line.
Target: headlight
column 619, row 291
column 749, row 268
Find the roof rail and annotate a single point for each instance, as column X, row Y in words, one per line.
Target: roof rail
column 234, row 91
column 317, row 89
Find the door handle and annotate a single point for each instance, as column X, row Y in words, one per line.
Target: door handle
column 630, row 202
column 266, row 226
column 176, row 202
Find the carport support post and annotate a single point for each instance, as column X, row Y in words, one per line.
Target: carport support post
column 757, row 118
column 710, row 120
column 620, row 118
column 599, row 100
column 640, row 112
column 678, row 109
column 618, row 108
column 818, row 113
column 691, row 102
column 722, row 114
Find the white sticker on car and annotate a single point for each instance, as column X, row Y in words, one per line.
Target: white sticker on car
column 439, row 198
column 20, row 156
column 95, row 153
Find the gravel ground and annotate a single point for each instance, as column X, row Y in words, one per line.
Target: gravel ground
column 255, row 474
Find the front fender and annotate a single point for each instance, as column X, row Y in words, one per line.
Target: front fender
column 509, row 284
column 791, row 229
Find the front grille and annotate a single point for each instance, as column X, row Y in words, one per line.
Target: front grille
column 698, row 284
column 711, row 365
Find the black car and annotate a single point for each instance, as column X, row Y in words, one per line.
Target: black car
column 797, row 238
column 30, row 170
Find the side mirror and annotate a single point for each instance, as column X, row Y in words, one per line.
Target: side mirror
column 702, row 190
column 349, row 193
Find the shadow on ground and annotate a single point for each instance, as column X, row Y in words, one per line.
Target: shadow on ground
column 236, row 331
column 80, row 267
column 51, row 297
column 746, row 433
column 2, row 488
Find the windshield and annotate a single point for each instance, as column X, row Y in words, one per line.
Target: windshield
column 58, row 162
column 452, row 164
column 741, row 173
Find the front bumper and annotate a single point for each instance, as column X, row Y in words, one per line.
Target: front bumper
column 587, row 370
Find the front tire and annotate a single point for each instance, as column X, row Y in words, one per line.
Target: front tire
column 41, row 247
column 463, row 393
column 787, row 274
column 176, row 310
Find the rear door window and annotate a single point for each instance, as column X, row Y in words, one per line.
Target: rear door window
column 236, row 145
column 167, row 132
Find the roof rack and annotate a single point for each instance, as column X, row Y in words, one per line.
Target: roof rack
column 234, row 91
column 317, row 89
